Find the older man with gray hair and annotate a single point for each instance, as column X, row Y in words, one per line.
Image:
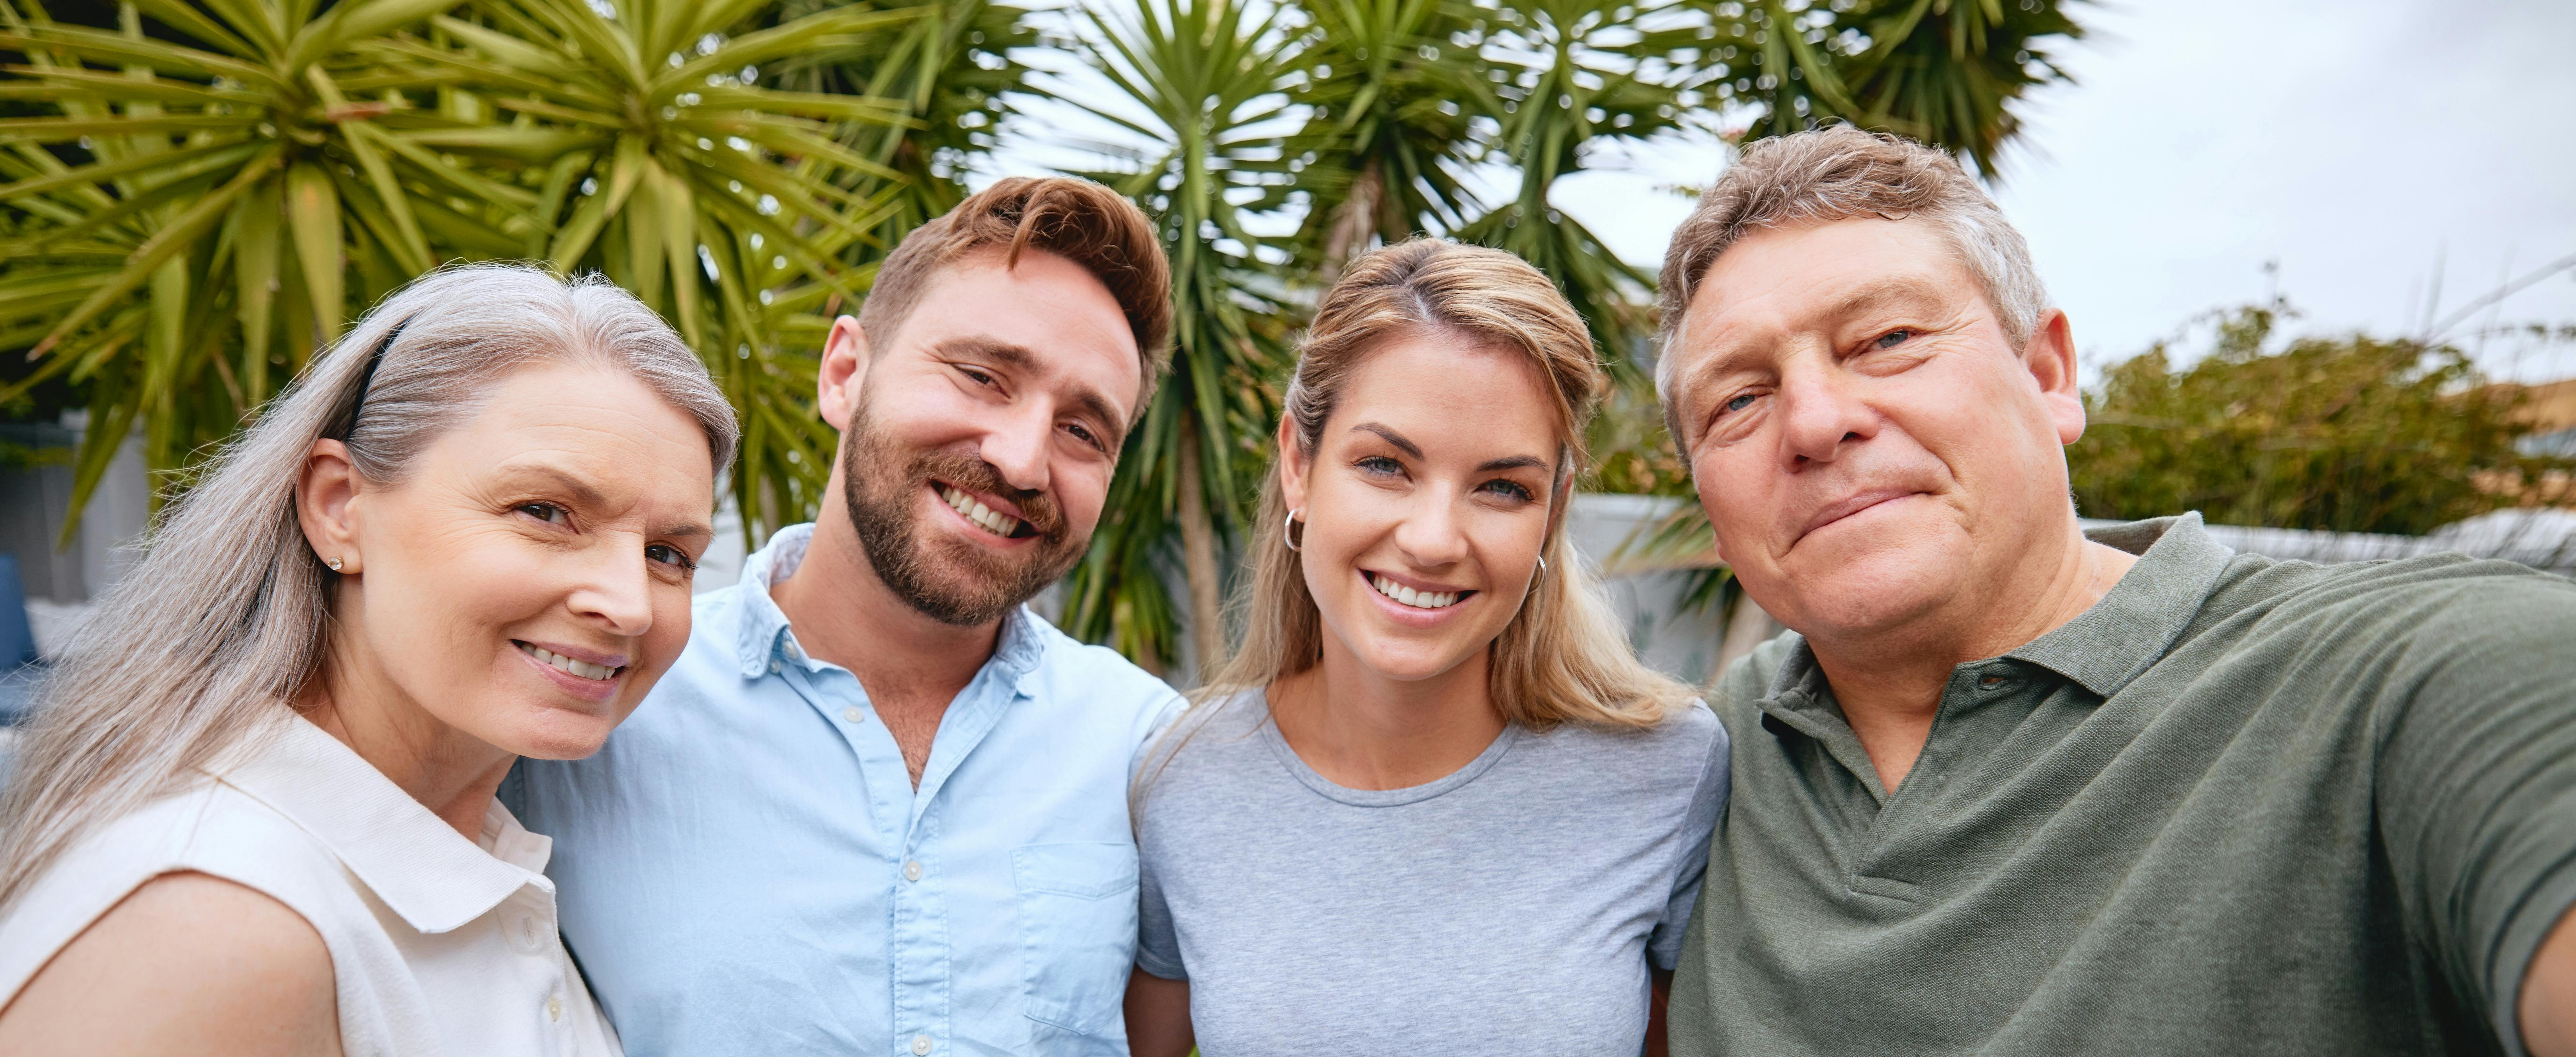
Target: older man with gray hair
column 2012, row 787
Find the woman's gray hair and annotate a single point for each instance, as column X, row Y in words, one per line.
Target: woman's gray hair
column 1836, row 173
column 221, row 624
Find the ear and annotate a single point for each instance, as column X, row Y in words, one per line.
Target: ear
column 2050, row 356
column 844, row 370
column 1292, row 464
column 326, row 495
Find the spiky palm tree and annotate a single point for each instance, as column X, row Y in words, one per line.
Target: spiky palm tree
column 1201, row 79
column 954, row 69
column 1572, row 74
column 1393, row 98
column 214, row 199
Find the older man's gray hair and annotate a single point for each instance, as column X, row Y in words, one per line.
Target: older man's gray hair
column 1837, row 173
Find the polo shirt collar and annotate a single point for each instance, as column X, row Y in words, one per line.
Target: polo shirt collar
column 2103, row 648
column 417, row 864
column 1017, row 649
column 2133, row 626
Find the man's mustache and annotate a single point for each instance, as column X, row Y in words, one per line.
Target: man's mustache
column 1035, row 506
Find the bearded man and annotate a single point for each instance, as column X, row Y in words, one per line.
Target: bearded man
column 2011, row 787
column 879, row 806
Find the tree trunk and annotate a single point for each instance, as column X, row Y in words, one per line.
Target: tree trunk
column 1198, row 558
column 1353, row 222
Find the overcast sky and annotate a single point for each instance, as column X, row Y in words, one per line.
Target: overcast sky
column 2360, row 143
column 2371, row 147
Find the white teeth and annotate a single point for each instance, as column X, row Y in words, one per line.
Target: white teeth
column 998, row 524
column 567, row 665
column 1411, row 597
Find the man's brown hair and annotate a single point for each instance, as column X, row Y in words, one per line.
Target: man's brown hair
column 1083, row 222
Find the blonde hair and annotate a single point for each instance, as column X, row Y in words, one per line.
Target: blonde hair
column 1563, row 658
column 221, row 623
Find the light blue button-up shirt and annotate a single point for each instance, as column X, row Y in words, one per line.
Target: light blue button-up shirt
column 746, row 868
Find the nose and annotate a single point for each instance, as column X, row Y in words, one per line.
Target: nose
column 1819, row 414
column 1017, row 445
column 1430, row 536
column 616, row 589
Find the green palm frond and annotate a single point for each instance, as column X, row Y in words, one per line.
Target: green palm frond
column 1565, row 75
column 1384, row 152
column 1946, row 72
column 955, row 71
column 724, row 204
column 1201, row 79
column 208, row 202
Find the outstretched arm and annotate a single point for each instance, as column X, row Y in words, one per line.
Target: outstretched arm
column 188, row 963
column 1158, row 1016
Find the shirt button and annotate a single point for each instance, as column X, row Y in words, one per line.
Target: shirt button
column 920, row 1045
column 554, row 1007
column 773, row 666
column 853, row 714
column 912, row 872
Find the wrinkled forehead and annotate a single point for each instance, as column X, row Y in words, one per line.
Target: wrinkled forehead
column 1777, row 284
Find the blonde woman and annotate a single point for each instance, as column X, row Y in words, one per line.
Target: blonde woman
column 1434, row 805
column 255, row 812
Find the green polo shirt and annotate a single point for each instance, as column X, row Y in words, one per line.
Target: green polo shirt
column 2240, row 806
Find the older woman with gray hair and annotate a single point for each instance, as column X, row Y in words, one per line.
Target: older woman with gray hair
column 254, row 812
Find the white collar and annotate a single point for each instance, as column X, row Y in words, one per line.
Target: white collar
column 411, row 859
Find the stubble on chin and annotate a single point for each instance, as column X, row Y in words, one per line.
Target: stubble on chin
column 948, row 580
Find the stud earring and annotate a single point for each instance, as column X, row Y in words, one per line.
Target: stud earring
column 1289, row 533
column 334, row 563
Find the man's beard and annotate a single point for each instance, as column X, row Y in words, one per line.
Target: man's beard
column 950, row 581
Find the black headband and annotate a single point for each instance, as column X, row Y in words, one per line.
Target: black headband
column 367, row 377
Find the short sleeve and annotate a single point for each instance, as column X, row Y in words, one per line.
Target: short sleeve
column 1158, row 946
column 2476, row 787
column 1690, row 841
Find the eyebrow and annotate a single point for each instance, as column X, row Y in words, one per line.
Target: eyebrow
column 1019, row 358
column 581, row 491
column 1875, row 296
column 584, row 495
column 1392, row 437
column 1513, row 462
column 1882, row 294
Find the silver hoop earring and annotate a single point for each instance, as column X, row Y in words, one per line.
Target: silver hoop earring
column 1542, row 565
column 1288, row 532
column 334, row 564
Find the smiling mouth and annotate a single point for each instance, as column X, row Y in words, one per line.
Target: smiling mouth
column 567, row 665
column 1406, row 596
column 984, row 517
column 1850, row 507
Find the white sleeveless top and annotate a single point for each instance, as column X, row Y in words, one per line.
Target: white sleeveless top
column 439, row 945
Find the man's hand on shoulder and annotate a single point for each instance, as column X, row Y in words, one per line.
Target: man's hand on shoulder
column 188, row 963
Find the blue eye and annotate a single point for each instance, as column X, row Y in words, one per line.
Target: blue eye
column 1893, row 338
column 1379, row 464
column 1741, row 401
column 1511, row 489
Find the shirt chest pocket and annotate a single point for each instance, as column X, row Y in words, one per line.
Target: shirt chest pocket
column 1077, row 908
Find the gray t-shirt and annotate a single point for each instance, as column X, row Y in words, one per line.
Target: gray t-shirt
column 1511, row 907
